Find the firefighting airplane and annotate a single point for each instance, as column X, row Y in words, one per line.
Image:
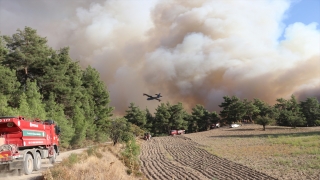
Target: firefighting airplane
column 152, row 98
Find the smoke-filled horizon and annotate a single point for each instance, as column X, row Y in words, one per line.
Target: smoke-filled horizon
column 194, row 52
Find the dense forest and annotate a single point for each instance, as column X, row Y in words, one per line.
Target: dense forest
column 40, row 82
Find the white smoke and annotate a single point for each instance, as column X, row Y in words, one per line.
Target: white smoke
column 194, row 52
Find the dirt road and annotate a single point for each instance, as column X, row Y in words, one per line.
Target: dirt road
column 45, row 164
column 178, row 157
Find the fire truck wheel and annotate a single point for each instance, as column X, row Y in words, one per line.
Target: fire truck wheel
column 37, row 162
column 28, row 164
column 53, row 158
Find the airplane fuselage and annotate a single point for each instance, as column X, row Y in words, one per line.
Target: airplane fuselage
column 153, row 98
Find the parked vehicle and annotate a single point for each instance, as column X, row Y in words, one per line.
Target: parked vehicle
column 234, row 125
column 213, row 126
column 177, row 132
column 24, row 143
column 147, row 136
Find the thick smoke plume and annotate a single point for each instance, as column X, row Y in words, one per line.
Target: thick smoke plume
column 193, row 52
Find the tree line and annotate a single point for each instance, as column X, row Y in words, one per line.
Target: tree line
column 40, row 82
column 286, row 112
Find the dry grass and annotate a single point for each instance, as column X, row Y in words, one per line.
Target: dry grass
column 280, row 152
column 99, row 163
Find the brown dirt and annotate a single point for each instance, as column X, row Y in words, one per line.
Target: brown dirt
column 224, row 153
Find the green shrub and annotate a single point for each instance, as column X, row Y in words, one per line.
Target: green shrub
column 130, row 157
column 127, row 136
column 90, row 151
column 72, row 159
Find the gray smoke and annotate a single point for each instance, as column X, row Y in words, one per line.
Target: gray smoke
column 194, row 52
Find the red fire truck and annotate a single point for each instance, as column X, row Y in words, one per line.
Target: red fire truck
column 23, row 143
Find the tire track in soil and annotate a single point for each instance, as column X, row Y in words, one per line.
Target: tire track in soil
column 178, row 157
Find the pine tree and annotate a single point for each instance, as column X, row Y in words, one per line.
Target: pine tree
column 119, row 130
column 26, row 52
column 200, row 117
column 3, row 50
column 6, row 110
column 135, row 115
column 79, row 125
column 150, row 122
column 9, row 86
column 24, row 109
column 296, row 118
column 232, row 109
column 74, row 92
column 168, row 117
column 34, row 99
column 55, row 79
column 262, row 106
column 87, row 105
column 177, row 116
column 264, row 120
column 250, row 109
column 162, row 116
column 311, row 110
column 290, row 113
column 55, row 112
column 214, row 117
column 99, row 101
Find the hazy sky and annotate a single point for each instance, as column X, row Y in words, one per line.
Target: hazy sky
column 194, row 52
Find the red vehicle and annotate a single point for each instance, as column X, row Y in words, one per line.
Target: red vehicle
column 24, row 143
column 147, row 136
column 213, row 126
column 177, row 132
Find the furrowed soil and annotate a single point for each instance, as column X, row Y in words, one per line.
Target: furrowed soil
column 228, row 153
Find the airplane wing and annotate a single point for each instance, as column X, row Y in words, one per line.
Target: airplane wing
column 158, row 99
column 146, row 95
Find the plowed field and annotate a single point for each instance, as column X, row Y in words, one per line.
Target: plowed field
column 190, row 157
column 179, row 157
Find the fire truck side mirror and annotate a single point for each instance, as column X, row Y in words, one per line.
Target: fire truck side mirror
column 57, row 128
